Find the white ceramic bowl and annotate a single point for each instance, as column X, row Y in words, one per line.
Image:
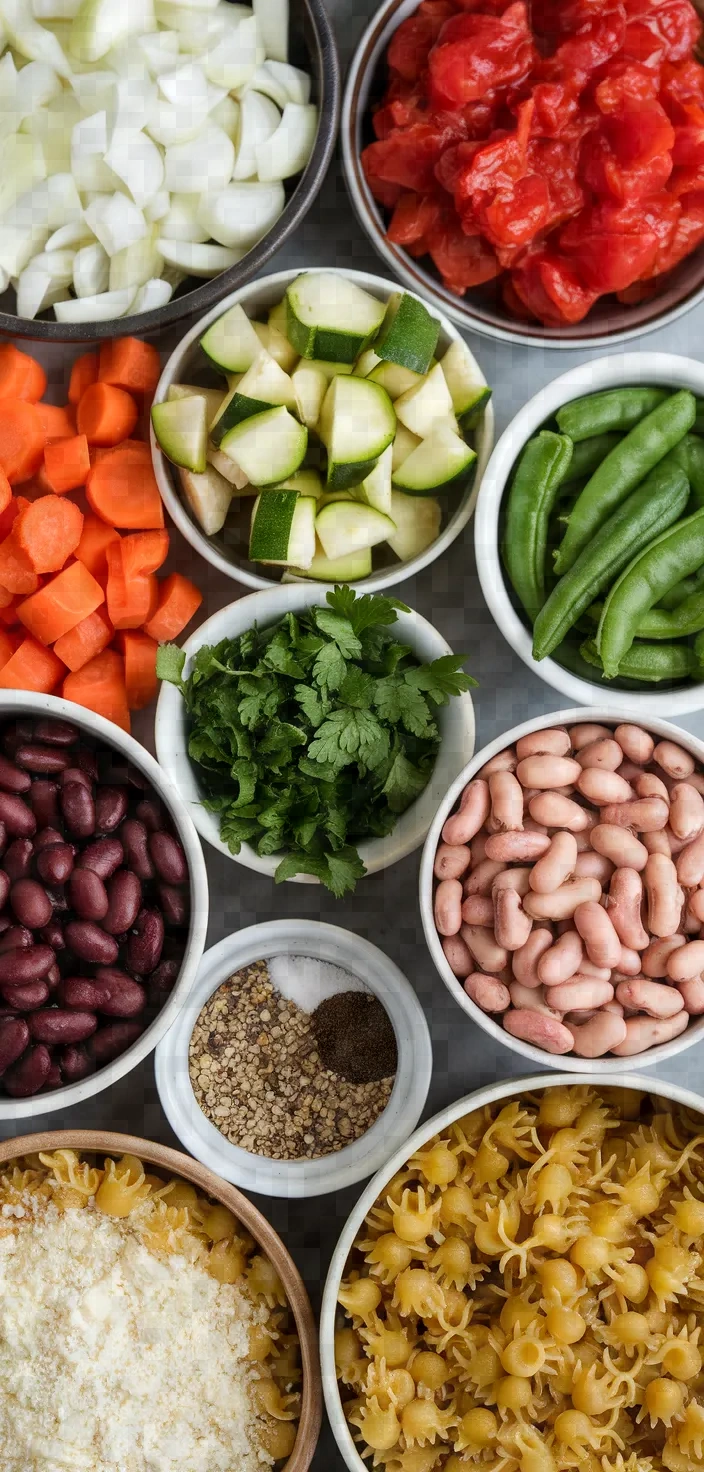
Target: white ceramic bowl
column 296, row 1178
column 456, row 722
column 513, row 1089
column 15, row 703
column 613, row 1067
column 618, row 371
column 188, row 364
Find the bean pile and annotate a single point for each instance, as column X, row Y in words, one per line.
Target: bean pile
column 570, row 894
column 90, row 877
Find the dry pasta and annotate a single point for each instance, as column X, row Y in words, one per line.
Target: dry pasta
column 527, row 1293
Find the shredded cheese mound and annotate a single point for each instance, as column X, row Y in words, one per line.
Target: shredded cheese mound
column 115, row 1360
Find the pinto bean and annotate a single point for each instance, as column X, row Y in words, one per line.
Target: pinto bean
column 561, row 903
column 175, row 904
column 693, row 995
column 120, row 995
column 624, row 908
column 19, row 820
column 548, row 773
column 478, row 909
column 482, row 942
column 448, row 907
column 621, row 847
column 586, row 732
column 89, row 942
column 88, row 895
column 145, row 943
column 556, row 811
column 29, row 1074
column 543, row 1032
column 696, row 905
column 506, row 803
column 481, row 879
column 31, row 903
column 57, row 1027
column 451, row 861
column 14, row 1038
column 470, row 816
column 125, row 899
column 578, row 993
column 604, row 753
column 504, row 761
column 526, row 959
column 686, row 811
column 511, row 924
column 643, row 814
column 12, row 778
column 488, row 993
column 686, row 962
column 517, row 847
column 112, row 1040
column 674, row 760
column 556, row 865
column 554, row 741
column 562, row 960
column 517, row 878
column 603, row 787
column 664, row 895
column 533, row 999
column 649, row 1032
column 457, row 955
column 650, row 997
column 589, row 865
column 78, row 809
column 635, row 743
column 690, row 863
column 26, row 995
column 599, row 1035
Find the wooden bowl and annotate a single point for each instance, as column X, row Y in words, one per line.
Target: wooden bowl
column 103, row 1142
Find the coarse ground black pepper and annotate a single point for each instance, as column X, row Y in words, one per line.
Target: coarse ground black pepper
column 355, row 1037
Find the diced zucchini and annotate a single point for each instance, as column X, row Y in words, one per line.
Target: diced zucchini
column 283, row 529
column 347, row 527
column 213, row 396
column 181, row 427
column 239, row 485
column 417, row 520
column 330, row 317
column 209, row 496
column 468, row 391
column 357, row 422
column 395, row 379
column 375, row 489
column 408, row 334
column 306, row 482
column 263, row 385
column 347, row 569
column 310, row 386
column 366, row 363
column 231, row 342
column 268, row 447
column 329, row 498
column 439, row 462
column 330, row 369
column 419, row 407
column 404, row 443
column 275, row 343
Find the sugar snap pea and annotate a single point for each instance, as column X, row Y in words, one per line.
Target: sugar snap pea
column 678, row 550
column 623, row 470
column 689, row 453
column 569, row 655
column 655, row 505
column 539, row 474
column 614, row 410
column 648, row 662
column 588, row 454
column 682, row 590
column 686, row 619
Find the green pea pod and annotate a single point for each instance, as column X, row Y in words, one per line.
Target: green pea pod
column 616, row 410
column 623, row 470
column 655, row 505
column 686, row 619
column 648, row 662
column 538, row 476
column 678, row 550
column 588, row 455
column 699, row 421
column 689, row 453
column 682, row 590
column 569, row 655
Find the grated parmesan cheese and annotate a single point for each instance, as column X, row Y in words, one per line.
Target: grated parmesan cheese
column 114, row 1360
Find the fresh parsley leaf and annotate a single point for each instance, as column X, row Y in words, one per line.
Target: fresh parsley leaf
column 339, row 629
column 169, row 664
column 329, row 668
column 348, row 736
column 404, row 783
column 441, row 679
column 400, row 704
column 366, row 610
column 344, row 869
column 312, row 704
column 280, row 657
column 357, row 689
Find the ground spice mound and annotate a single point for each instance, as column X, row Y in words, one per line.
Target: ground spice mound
column 355, row 1037
column 258, row 1076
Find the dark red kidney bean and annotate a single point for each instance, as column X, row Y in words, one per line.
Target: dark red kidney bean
column 162, row 982
column 87, row 895
column 55, row 1026
column 53, row 979
column 11, row 778
column 168, row 857
column 152, row 813
column 103, row 857
column 58, row 899
column 110, row 808
column 19, row 819
column 44, row 802
column 112, row 1040
column 78, row 809
column 6, row 1011
column 4, row 888
column 15, row 734
column 5, row 923
column 175, row 904
column 29, row 1074
column 87, row 761
column 17, row 860
column 134, row 837
column 56, row 733
column 48, row 836
column 55, row 864
column 144, row 945
column 125, row 901
column 31, row 903
column 75, row 1063
column 16, row 938
column 26, row 997
column 120, row 995
column 53, row 935
column 54, row 1080
column 75, row 774
column 14, row 1037
column 89, row 942
column 44, row 760
column 81, row 992
column 3, row 838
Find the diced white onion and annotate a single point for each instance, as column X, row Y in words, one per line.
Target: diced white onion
column 290, row 147
column 239, row 215
column 22, row 167
column 186, row 86
column 56, row 9
column 170, row 125
column 259, row 118
column 36, row 290
column 136, row 264
column 69, row 237
column 63, row 201
column 137, row 162
column 234, row 60
column 157, row 207
column 51, row 127
column 102, row 24
column 204, row 163
column 31, row 39
column 160, row 51
column 91, row 270
column 264, row 81
column 37, row 84
column 135, row 103
column 100, row 308
column 198, row 260
column 89, row 142
column 116, row 222
column 153, row 294
column 94, row 90
column 272, row 23
column 295, row 82
column 182, row 222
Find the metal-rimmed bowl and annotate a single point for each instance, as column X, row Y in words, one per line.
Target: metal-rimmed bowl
column 314, row 48
column 482, row 310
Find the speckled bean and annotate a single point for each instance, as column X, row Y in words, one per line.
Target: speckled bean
column 556, row 811
column 628, row 964
column 651, row 997
column 686, row 811
column 548, row 773
column 657, row 843
column 578, row 993
column 511, row 924
column 674, row 760
column 533, row 999
column 605, row 754
column 695, row 905
column 526, row 959
column 556, row 864
column 589, row 865
column 481, row 879
column 457, row 955
column 664, row 895
column 619, row 845
column 478, row 909
column 599, row 1035
column 690, row 863
column 562, row 903
column 693, row 995
column 562, row 960
column 686, row 962
column 603, row 787
column 624, row 908
column 470, row 816
column 643, row 814
column 448, row 907
column 517, row 848
column 506, row 803
column 517, row 878
column 451, row 861
column 648, row 1032
column 504, row 761
column 543, row 1032
column 635, row 743
column 488, row 954
column 554, row 740
column 488, row 993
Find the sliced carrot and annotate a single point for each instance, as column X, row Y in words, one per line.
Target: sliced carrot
column 61, row 604
column 144, row 552
column 6, row 599
column 130, row 363
column 122, row 489
column 90, row 637
column 130, row 595
column 21, row 376
column 59, row 424
column 139, row 652
column 6, row 648
column 17, row 574
column 22, row 439
column 5, row 492
column 179, row 599
column 67, row 464
column 100, row 686
column 49, row 531
column 8, row 613
column 83, row 373
column 106, row 415
column 32, row 667
column 95, row 539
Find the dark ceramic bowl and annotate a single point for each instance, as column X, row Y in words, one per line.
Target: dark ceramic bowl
column 312, row 47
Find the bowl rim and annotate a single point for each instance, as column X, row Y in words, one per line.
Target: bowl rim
column 211, row 291
column 175, row 1161
column 578, row 715
column 487, row 1094
column 18, row 702
column 367, row 54
column 267, row 607
column 592, row 376
column 297, row 1179
column 244, row 572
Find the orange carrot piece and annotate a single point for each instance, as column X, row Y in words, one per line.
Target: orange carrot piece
column 83, row 373
column 179, row 599
column 67, row 464
column 59, row 423
column 144, row 552
column 8, row 613
column 100, row 686
column 90, row 637
column 49, row 531
column 17, row 574
column 106, row 415
column 61, row 604
column 129, row 594
column 22, row 439
column 21, row 376
column 130, row 363
column 91, row 550
column 32, row 667
column 122, row 489
column 6, row 648
column 139, row 653
column 5, row 492
column 6, row 599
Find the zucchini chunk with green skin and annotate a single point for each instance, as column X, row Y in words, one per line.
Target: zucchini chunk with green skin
column 346, row 527
column 330, row 317
column 468, row 392
column 366, row 363
column 395, row 378
column 306, row 482
column 209, row 496
column 438, row 463
column 417, row 521
column 274, row 342
column 310, row 387
column 404, row 443
column 375, row 489
column 337, row 569
column 268, row 447
column 226, row 467
column 263, row 386
column 213, row 396
column 329, row 369
column 408, row 333
column 283, row 529
column 357, row 422
column 231, row 343
column 420, row 407
column 181, row 427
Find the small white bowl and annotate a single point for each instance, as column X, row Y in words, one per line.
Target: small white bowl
column 296, row 1178
column 513, row 1089
column 188, row 364
column 611, row 1067
column 456, row 722
column 15, row 703
column 618, row 371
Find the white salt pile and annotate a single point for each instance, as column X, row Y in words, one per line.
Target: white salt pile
column 308, row 981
